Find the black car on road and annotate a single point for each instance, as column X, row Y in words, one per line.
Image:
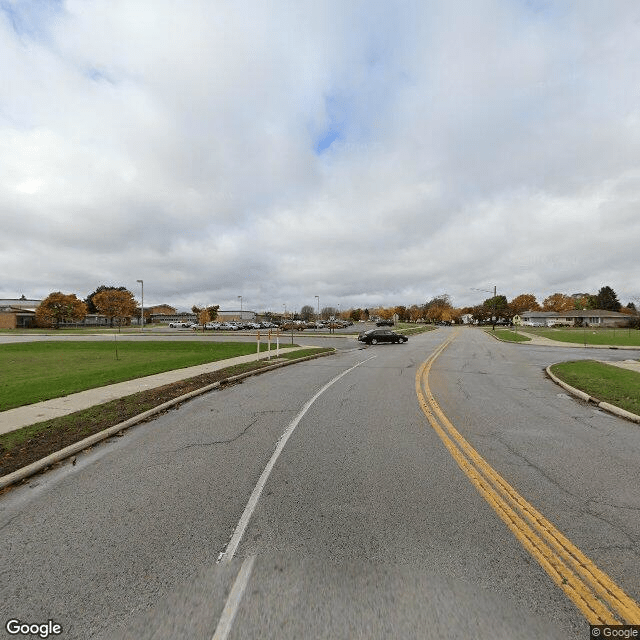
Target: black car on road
column 374, row 336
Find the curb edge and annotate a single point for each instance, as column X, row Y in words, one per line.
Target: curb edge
column 76, row 447
column 610, row 408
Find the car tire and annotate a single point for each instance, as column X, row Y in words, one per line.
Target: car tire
column 374, row 341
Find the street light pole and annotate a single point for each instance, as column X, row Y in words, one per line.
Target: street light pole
column 240, row 297
column 318, row 316
column 142, row 309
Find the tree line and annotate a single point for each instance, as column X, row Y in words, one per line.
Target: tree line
column 118, row 305
column 115, row 303
column 441, row 309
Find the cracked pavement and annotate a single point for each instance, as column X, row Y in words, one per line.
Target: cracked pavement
column 365, row 511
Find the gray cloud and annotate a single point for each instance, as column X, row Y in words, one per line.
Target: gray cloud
column 473, row 145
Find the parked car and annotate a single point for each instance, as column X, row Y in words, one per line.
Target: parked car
column 179, row 325
column 384, row 323
column 374, row 336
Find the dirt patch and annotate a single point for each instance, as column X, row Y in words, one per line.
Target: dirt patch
column 32, row 443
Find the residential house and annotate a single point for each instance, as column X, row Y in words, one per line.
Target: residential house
column 587, row 317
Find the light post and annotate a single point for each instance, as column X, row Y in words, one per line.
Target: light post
column 318, row 316
column 240, row 298
column 142, row 310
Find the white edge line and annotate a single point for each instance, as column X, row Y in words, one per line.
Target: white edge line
column 232, row 547
column 233, row 601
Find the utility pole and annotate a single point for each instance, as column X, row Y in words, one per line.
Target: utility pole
column 494, row 317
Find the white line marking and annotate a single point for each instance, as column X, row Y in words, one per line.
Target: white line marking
column 230, row 551
column 233, row 601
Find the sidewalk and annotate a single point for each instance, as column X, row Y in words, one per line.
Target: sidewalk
column 19, row 417
column 631, row 365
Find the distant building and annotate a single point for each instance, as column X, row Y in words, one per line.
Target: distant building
column 160, row 309
column 588, row 317
column 18, row 313
column 166, row 318
column 236, row 316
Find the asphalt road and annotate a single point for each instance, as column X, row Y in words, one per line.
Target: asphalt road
column 365, row 527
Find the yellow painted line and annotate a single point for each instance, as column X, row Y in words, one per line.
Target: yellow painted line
column 595, row 594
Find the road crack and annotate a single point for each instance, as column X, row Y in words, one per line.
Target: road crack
column 214, row 442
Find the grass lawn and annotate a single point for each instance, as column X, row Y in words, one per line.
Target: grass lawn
column 605, row 382
column 512, row 336
column 407, row 329
column 24, row 446
column 614, row 337
column 38, row 371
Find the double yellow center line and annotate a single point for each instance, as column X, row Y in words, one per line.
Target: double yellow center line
column 596, row 595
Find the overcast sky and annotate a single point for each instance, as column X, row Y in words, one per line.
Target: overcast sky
column 366, row 152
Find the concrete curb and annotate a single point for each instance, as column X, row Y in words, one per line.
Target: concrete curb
column 621, row 413
column 76, row 447
column 495, row 337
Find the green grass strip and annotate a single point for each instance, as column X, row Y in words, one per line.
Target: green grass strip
column 37, row 371
column 590, row 336
column 511, row 336
column 23, row 446
column 605, row 382
column 411, row 329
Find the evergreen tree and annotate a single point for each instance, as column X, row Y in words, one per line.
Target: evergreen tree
column 608, row 300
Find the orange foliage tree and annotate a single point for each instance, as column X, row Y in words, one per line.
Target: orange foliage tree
column 524, row 302
column 58, row 307
column 115, row 304
column 558, row 302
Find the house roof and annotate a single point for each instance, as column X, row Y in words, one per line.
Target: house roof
column 18, row 310
column 576, row 313
column 19, row 303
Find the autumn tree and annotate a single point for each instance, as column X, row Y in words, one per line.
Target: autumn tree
column 402, row 312
column 438, row 308
column 523, row 302
column 558, row 302
column 115, row 304
column 58, row 307
column 607, row 299
column 89, row 300
column 384, row 312
column 481, row 313
column 355, row 314
column 456, row 315
column 415, row 313
column 205, row 314
column 582, row 301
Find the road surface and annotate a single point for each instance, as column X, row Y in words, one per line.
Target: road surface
column 366, row 524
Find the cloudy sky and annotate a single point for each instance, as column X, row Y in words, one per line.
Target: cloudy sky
column 365, row 152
